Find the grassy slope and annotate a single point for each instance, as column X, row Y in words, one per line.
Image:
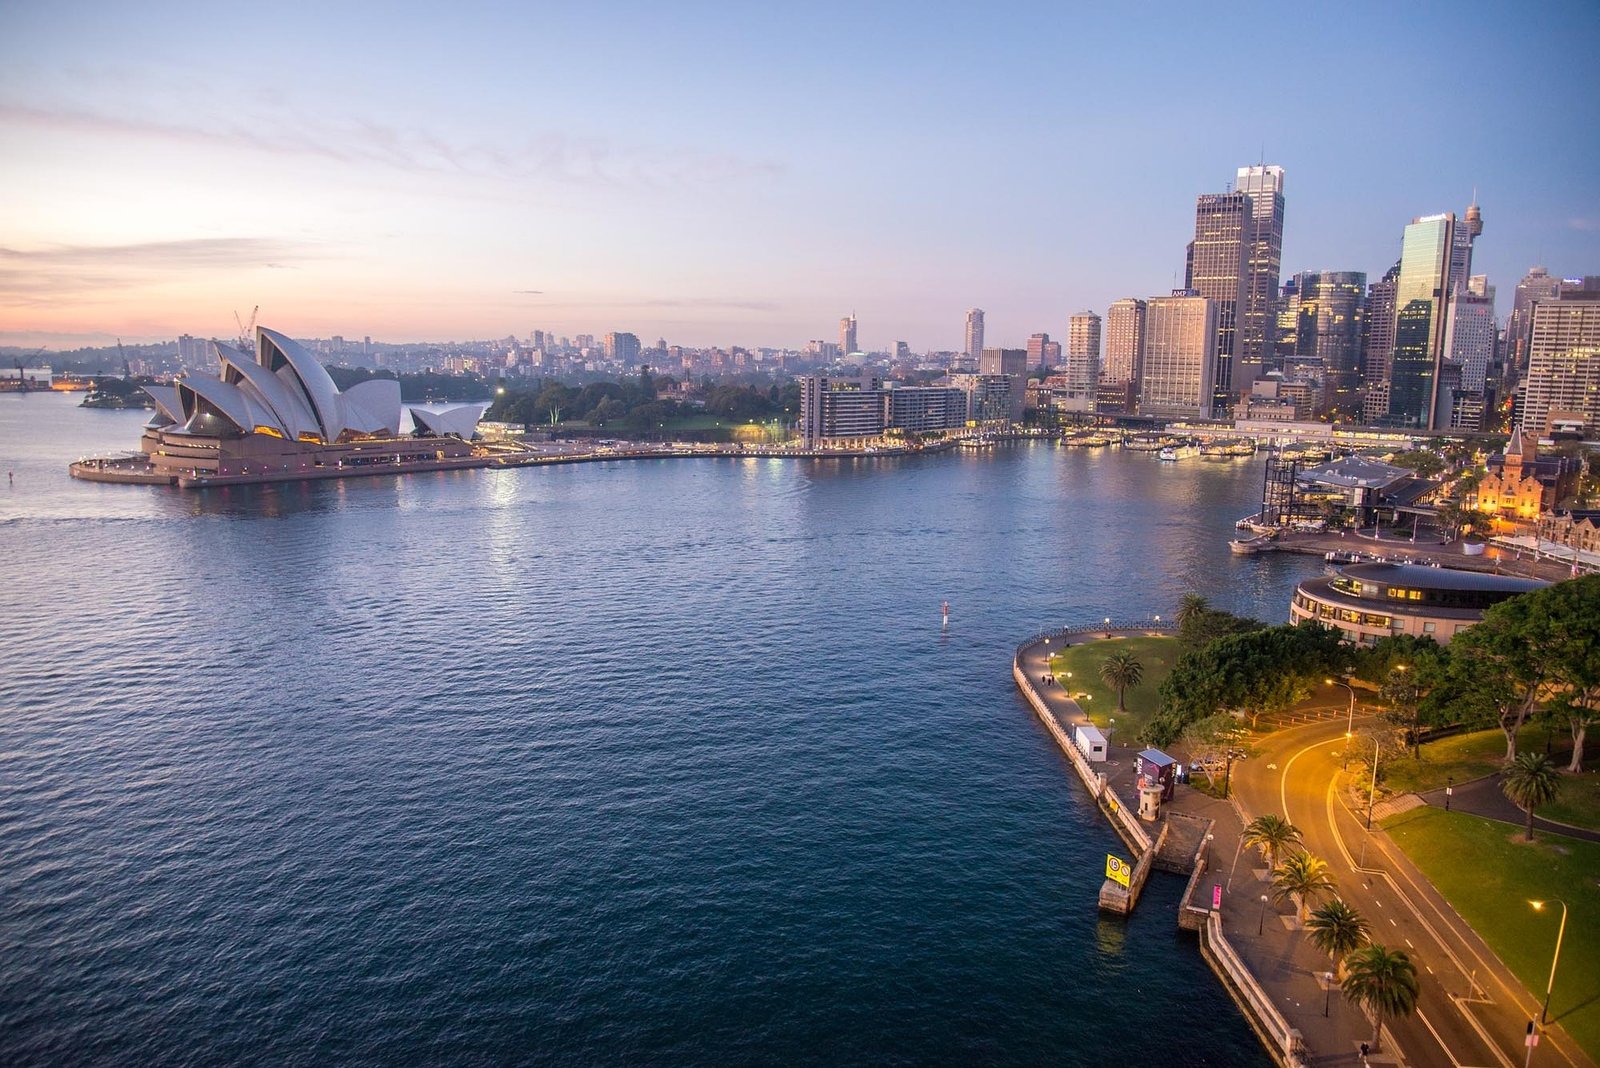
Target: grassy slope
column 1489, row 874
column 1084, row 660
column 1471, row 756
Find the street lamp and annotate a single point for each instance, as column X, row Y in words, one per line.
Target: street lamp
column 1261, row 921
column 1209, row 837
column 1538, row 906
column 1111, row 728
column 1108, row 626
column 1327, row 991
column 1349, row 721
column 1372, row 794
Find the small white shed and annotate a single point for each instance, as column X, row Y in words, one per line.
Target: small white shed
column 1090, row 742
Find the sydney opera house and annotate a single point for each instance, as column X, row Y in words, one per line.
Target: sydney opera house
column 276, row 415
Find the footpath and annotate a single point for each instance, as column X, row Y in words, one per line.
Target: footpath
column 1279, row 980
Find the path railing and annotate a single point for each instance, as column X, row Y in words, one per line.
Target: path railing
column 1152, row 624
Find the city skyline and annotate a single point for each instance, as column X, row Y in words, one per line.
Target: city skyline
column 679, row 174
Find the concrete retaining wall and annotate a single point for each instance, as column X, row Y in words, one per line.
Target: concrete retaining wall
column 1113, row 896
column 1281, row 1040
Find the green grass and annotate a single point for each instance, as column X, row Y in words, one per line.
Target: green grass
column 1470, row 756
column 1489, row 874
column 1084, row 660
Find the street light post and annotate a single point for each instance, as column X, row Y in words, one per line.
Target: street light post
column 1349, row 722
column 1544, row 1010
column 1261, row 921
column 1372, row 794
column 1327, row 991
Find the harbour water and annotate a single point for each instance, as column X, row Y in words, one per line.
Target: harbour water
column 649, row 762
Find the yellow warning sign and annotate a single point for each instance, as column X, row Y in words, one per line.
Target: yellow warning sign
column 1118, row 870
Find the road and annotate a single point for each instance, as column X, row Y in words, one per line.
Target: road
column 1472, row 1012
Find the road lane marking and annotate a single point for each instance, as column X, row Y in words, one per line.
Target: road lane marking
column 1493, row 1046
column 1410, row 943
column 1437, row 1037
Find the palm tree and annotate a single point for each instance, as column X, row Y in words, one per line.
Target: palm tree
column 1531, row 780
column 1120, row 671
column 1271, row 834
column 1337, row 928
column 1192, row 606
column 1382, row 981
column 1302, row 877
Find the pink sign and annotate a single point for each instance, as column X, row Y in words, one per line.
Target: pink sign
column 1216, row 895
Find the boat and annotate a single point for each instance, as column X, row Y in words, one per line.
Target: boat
column 1181, row 450
column 1227, row 449
column 976, row 443
column 1147, row 442
column 1092, row 441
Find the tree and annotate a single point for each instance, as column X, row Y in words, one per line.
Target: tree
column 1498, row 666
column 1120, row 671
column 1402, row 693
column 1207, row 742
column 1337, row 928
column 1572, row 612
column 1302, row 877
column 1383, row 982
column 1531, row 780
column 1271, row 834
column 1192, row 607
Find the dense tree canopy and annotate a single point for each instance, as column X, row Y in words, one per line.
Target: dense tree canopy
column 1250, row 673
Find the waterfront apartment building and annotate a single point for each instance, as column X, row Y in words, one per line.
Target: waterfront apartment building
column 856, row 410
column 1263, row 184
column 1083, row 355
column 1013, row 363
column 1563, row 378
column 988, row 397
column 974, row 334
column 1217, row 267
column 1179, row 357
column 1124, row 339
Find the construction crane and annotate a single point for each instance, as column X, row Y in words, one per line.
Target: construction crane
column 127, row 372
column 245, row 332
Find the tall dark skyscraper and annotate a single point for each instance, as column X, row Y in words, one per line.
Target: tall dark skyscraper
column 1263, row 184
column 1218, row 260
column 1328, row 331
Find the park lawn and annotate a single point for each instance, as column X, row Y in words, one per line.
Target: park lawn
column 1157, row 654
column 1488, row 873
column 1471, row 756
column 1460, row 757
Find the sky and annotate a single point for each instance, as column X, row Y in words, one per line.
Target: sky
column 746, row 174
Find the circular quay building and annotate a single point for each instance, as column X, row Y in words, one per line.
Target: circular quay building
column 1371, row 601
column 276, row 415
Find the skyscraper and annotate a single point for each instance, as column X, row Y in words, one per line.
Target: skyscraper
column 1563, row 381
column 975, row 334
column 1536, row 285
column 1377, row 345
column 1013, row 363
column 1177, row 376
column 1083, row 354
column 1124, row 340
column 622, row 347
column 1328, row 331
column 1038, row 345
column 1263, row 184
column 1218, row 263
column 847, row 334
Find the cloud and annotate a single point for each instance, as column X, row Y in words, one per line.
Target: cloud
column 694, row 303
column 1586, row 226
column 359, row 141
column 58, row 274
column 529, row 292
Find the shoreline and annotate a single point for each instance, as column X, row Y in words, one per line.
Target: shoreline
column 1282, row 1042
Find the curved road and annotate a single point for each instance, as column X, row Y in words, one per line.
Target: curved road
column 1473, row 1013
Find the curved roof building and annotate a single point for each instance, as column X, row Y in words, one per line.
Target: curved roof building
column 1366, row 602
column 460, row 421
column 282, row 392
